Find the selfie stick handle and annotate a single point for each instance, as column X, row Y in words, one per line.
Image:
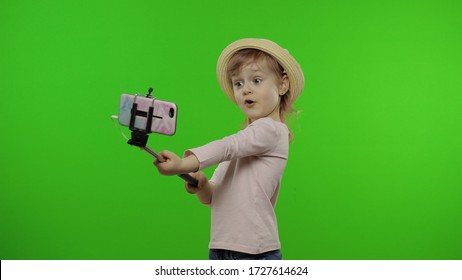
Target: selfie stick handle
column 188, row 178
column 154, row 154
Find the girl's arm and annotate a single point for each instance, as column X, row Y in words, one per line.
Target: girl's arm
column 173, row 165
column 204, row 189
column 260, row 137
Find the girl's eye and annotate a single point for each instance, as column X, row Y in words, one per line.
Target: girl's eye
column 257, row 80
column 237, row 84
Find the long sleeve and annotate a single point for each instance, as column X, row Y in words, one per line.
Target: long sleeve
column 258, row 138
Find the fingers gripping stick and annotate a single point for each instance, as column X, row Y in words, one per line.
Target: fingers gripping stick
column 188, row 178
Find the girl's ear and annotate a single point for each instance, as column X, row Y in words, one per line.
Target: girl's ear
column 284, row 86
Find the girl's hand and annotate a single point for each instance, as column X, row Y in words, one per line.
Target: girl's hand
column 201, row 179
column 171, row 165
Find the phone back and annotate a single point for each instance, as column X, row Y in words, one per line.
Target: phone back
column 164, row 113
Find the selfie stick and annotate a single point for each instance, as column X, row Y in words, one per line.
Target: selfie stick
column 140, row 138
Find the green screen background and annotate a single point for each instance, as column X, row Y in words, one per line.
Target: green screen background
column 374, row 171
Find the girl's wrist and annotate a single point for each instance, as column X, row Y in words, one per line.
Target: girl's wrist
column 189, row 164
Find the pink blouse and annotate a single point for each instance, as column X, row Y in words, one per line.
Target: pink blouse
column 246, row 186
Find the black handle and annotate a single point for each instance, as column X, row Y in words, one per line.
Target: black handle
column 189, row 179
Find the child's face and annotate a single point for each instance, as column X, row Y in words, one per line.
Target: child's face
column 257, row 91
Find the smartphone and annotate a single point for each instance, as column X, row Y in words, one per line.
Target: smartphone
column 164, row 114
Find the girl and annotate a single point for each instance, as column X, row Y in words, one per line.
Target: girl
column 264, row 80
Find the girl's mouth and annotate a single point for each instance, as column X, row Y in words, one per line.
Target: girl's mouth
column 249, row 103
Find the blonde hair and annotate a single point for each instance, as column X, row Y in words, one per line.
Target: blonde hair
column 246, row 56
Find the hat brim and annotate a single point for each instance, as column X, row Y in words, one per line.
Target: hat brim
column 285, row 59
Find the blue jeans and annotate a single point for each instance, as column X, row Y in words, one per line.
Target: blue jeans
column 220, row 254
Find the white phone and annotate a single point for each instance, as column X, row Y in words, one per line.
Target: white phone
column 164, row 114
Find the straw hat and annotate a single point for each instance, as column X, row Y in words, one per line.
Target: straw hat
column 290, row 65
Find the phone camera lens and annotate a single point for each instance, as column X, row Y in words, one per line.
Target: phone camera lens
column 171, row 113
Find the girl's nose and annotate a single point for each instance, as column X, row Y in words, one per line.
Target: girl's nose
column 247, row 89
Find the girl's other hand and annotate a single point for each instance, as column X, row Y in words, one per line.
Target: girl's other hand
column 201, row 179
